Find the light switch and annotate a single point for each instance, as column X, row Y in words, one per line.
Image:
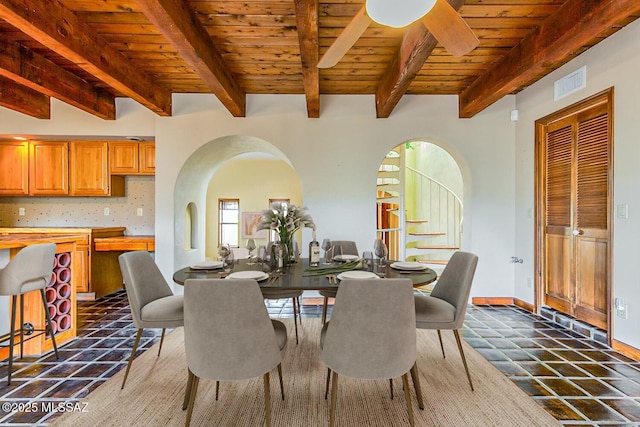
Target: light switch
column 106, row 212
column 21, row 211
column 622, row 211
column 139, row 212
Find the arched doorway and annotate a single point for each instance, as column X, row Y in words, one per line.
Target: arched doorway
column 193, row 185
column 419, row 203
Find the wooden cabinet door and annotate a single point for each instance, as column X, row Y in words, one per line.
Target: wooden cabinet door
column 576, row 182
column 48, row 168
column 89, row 168
column 14, row 168
column 123, row 158
column 147, row 158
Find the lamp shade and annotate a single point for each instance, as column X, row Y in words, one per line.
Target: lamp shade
column 398, row 13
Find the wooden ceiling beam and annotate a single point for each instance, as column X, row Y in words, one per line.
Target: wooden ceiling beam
column 60, row 30
column 416, row 47
column 307, row 23
column 24, row 100
column 571, row 27
column 38, row 73
column 180, row 25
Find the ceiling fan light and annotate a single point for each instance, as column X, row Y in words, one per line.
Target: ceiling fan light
column 398, row 13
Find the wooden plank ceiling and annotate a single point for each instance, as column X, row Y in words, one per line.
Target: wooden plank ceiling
column 88, row 52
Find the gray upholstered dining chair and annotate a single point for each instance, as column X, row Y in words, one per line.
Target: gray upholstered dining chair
column 371, row 334
column 228, row 336
column 345, row 247
column 446, row 306
column 29, row 270
column 153, row 304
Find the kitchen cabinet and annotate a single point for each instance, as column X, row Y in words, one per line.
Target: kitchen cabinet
column 48, row 168
column 89, row 167
column 14, row 168
column 132, row 158
column 34, row 168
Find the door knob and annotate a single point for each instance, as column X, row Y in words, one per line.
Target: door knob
column 578, row 232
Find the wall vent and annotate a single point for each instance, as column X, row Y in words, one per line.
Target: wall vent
column 570, row 83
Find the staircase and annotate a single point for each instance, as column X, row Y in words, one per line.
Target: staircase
column 418, row 217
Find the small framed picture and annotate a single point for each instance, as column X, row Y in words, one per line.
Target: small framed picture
column 250, row 222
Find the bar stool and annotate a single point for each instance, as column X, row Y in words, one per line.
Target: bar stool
column 29, row 270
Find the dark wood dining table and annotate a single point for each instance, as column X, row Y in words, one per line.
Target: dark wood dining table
column 297, row 277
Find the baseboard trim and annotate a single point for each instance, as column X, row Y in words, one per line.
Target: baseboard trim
column 502, row 301
column 626, row 349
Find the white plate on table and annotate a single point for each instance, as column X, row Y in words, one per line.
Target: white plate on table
column 207, row 265
column 357, row 274
column 345, row 257
column 408, row 265
column 249, row 274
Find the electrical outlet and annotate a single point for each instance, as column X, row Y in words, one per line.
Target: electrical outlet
column 106, row 212
column 622, row 308
column 21, row 211
column 139, row 212
column 530, row 282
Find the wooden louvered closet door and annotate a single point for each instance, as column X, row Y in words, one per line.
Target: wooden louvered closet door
column 576, row 165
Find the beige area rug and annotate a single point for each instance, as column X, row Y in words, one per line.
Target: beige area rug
column 155, row 390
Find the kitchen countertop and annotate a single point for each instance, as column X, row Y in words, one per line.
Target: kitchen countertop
column 13, row 242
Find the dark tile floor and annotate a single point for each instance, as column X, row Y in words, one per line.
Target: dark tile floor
column 579, row 381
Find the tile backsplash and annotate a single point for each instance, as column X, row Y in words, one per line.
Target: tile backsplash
column 86, row 211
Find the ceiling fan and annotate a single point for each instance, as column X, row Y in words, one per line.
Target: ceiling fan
column 442, row 20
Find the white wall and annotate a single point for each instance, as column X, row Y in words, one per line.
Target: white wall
column 337, row 156
column 615, row 62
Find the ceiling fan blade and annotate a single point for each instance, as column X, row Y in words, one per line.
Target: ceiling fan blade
column 450, row 29
column 347, row 38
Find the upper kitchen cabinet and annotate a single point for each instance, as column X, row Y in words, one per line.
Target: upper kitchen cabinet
column 48, row 168
column 14, row 168
column 89, row 167
column 34, row 168
column 132, row 158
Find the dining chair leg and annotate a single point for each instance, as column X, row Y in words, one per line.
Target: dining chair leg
column 299, row 310
column 464, row 359
column 217, row 390
column 326, row 387
column 441, row 345
column 133, row 355
column 267, row 399
column 187, row 392
column 281, row 383
column 12, row 335
column 48, row 319
column 415, row 377
column 334, row 395
column 325, row 303
column 161, row 341
column 192, row 399
column 407, row 397
column 391, row 387
column 295, row 320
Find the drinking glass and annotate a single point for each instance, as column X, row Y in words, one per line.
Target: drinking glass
column 223, row 251
column 367, row 260
column 337, row 252
column 251, row 245
column 381, row 251
column 326, row 245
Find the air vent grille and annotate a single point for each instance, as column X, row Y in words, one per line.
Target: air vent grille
column 570, row 83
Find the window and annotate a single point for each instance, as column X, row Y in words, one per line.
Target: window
column 228, row 219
